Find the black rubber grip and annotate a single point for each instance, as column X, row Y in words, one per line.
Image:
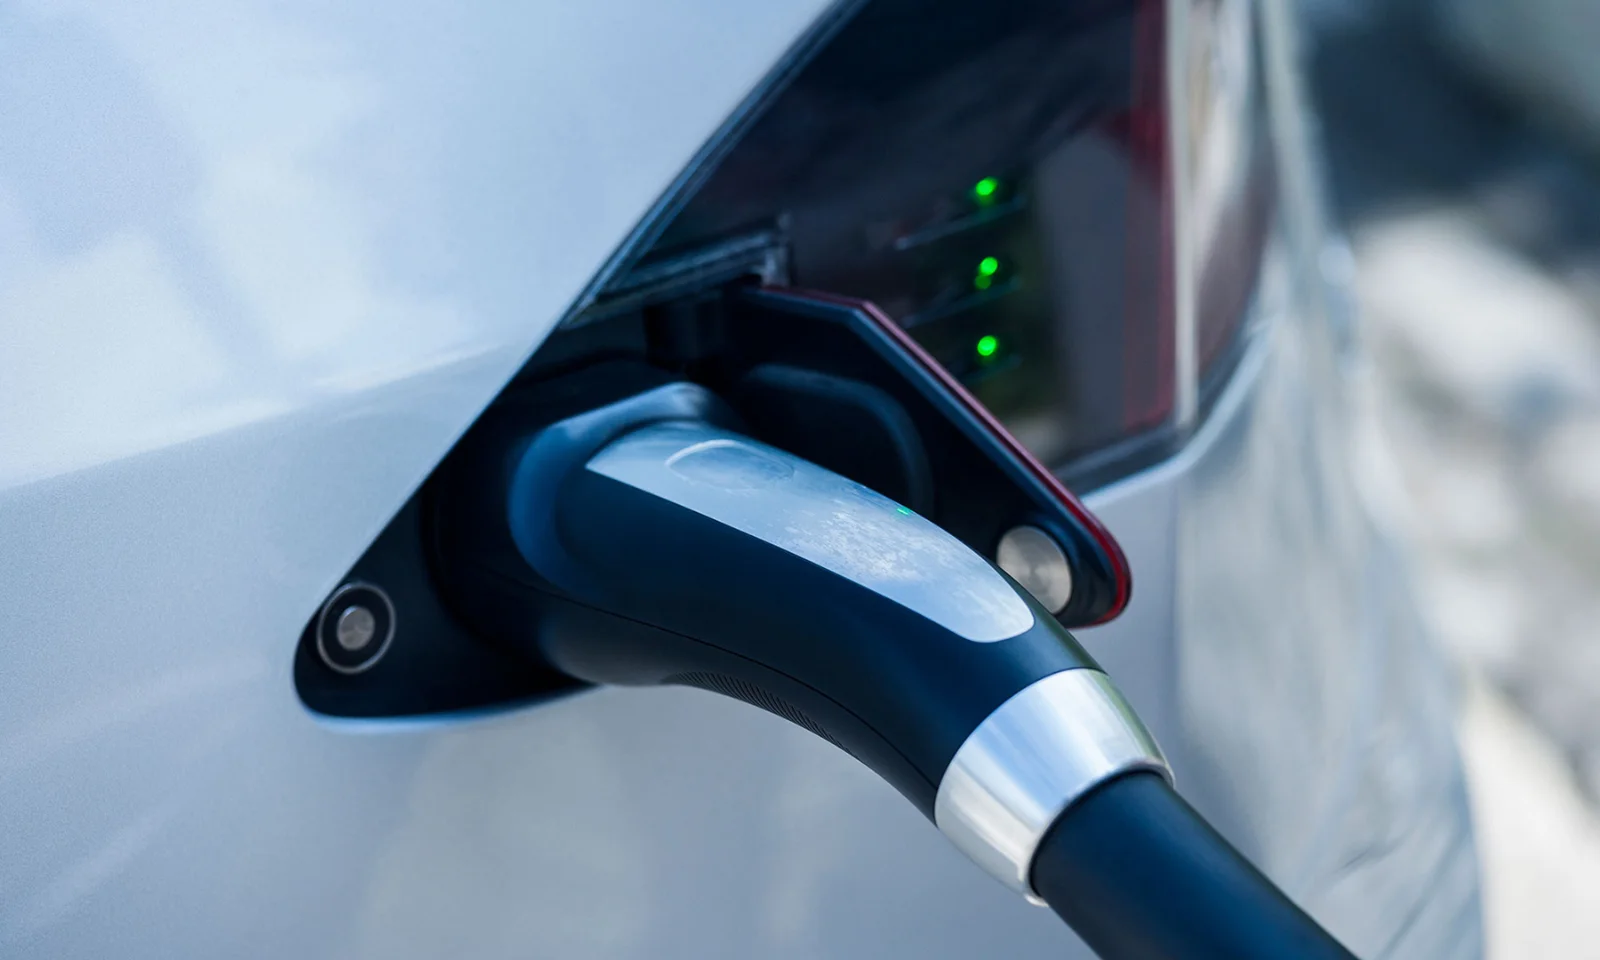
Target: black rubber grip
column 1139, row 875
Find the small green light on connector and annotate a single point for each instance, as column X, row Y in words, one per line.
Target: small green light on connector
column 986, row 191
column 987, row 268
column 988, row 345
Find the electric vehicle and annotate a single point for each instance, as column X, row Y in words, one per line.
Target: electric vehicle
column 269, row 273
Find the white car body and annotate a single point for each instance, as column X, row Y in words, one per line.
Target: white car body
column 261, row 265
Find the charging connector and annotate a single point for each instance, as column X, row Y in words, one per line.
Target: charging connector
column 649, row 542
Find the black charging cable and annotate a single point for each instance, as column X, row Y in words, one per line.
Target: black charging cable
column 1139, row 875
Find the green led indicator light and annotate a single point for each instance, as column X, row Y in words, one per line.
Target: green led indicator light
column 987, row 268
column 985, row 191
column 988, row 345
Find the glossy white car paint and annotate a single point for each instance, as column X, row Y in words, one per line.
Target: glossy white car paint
column 260, row 265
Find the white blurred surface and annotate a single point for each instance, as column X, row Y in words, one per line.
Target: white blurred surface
column 1485, row 370
column 1538, row 843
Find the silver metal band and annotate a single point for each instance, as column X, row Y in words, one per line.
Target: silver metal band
column 1029, row 760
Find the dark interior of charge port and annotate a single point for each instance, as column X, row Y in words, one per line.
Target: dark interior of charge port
column 982, row 175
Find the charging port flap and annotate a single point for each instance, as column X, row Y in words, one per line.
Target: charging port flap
column 836, row 381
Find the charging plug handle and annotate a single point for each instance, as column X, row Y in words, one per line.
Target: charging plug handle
column 652, row 543
column 647, row 542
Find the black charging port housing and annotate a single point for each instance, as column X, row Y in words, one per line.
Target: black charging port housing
column 826, row 378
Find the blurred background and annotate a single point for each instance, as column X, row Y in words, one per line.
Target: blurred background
column 1463, row 143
